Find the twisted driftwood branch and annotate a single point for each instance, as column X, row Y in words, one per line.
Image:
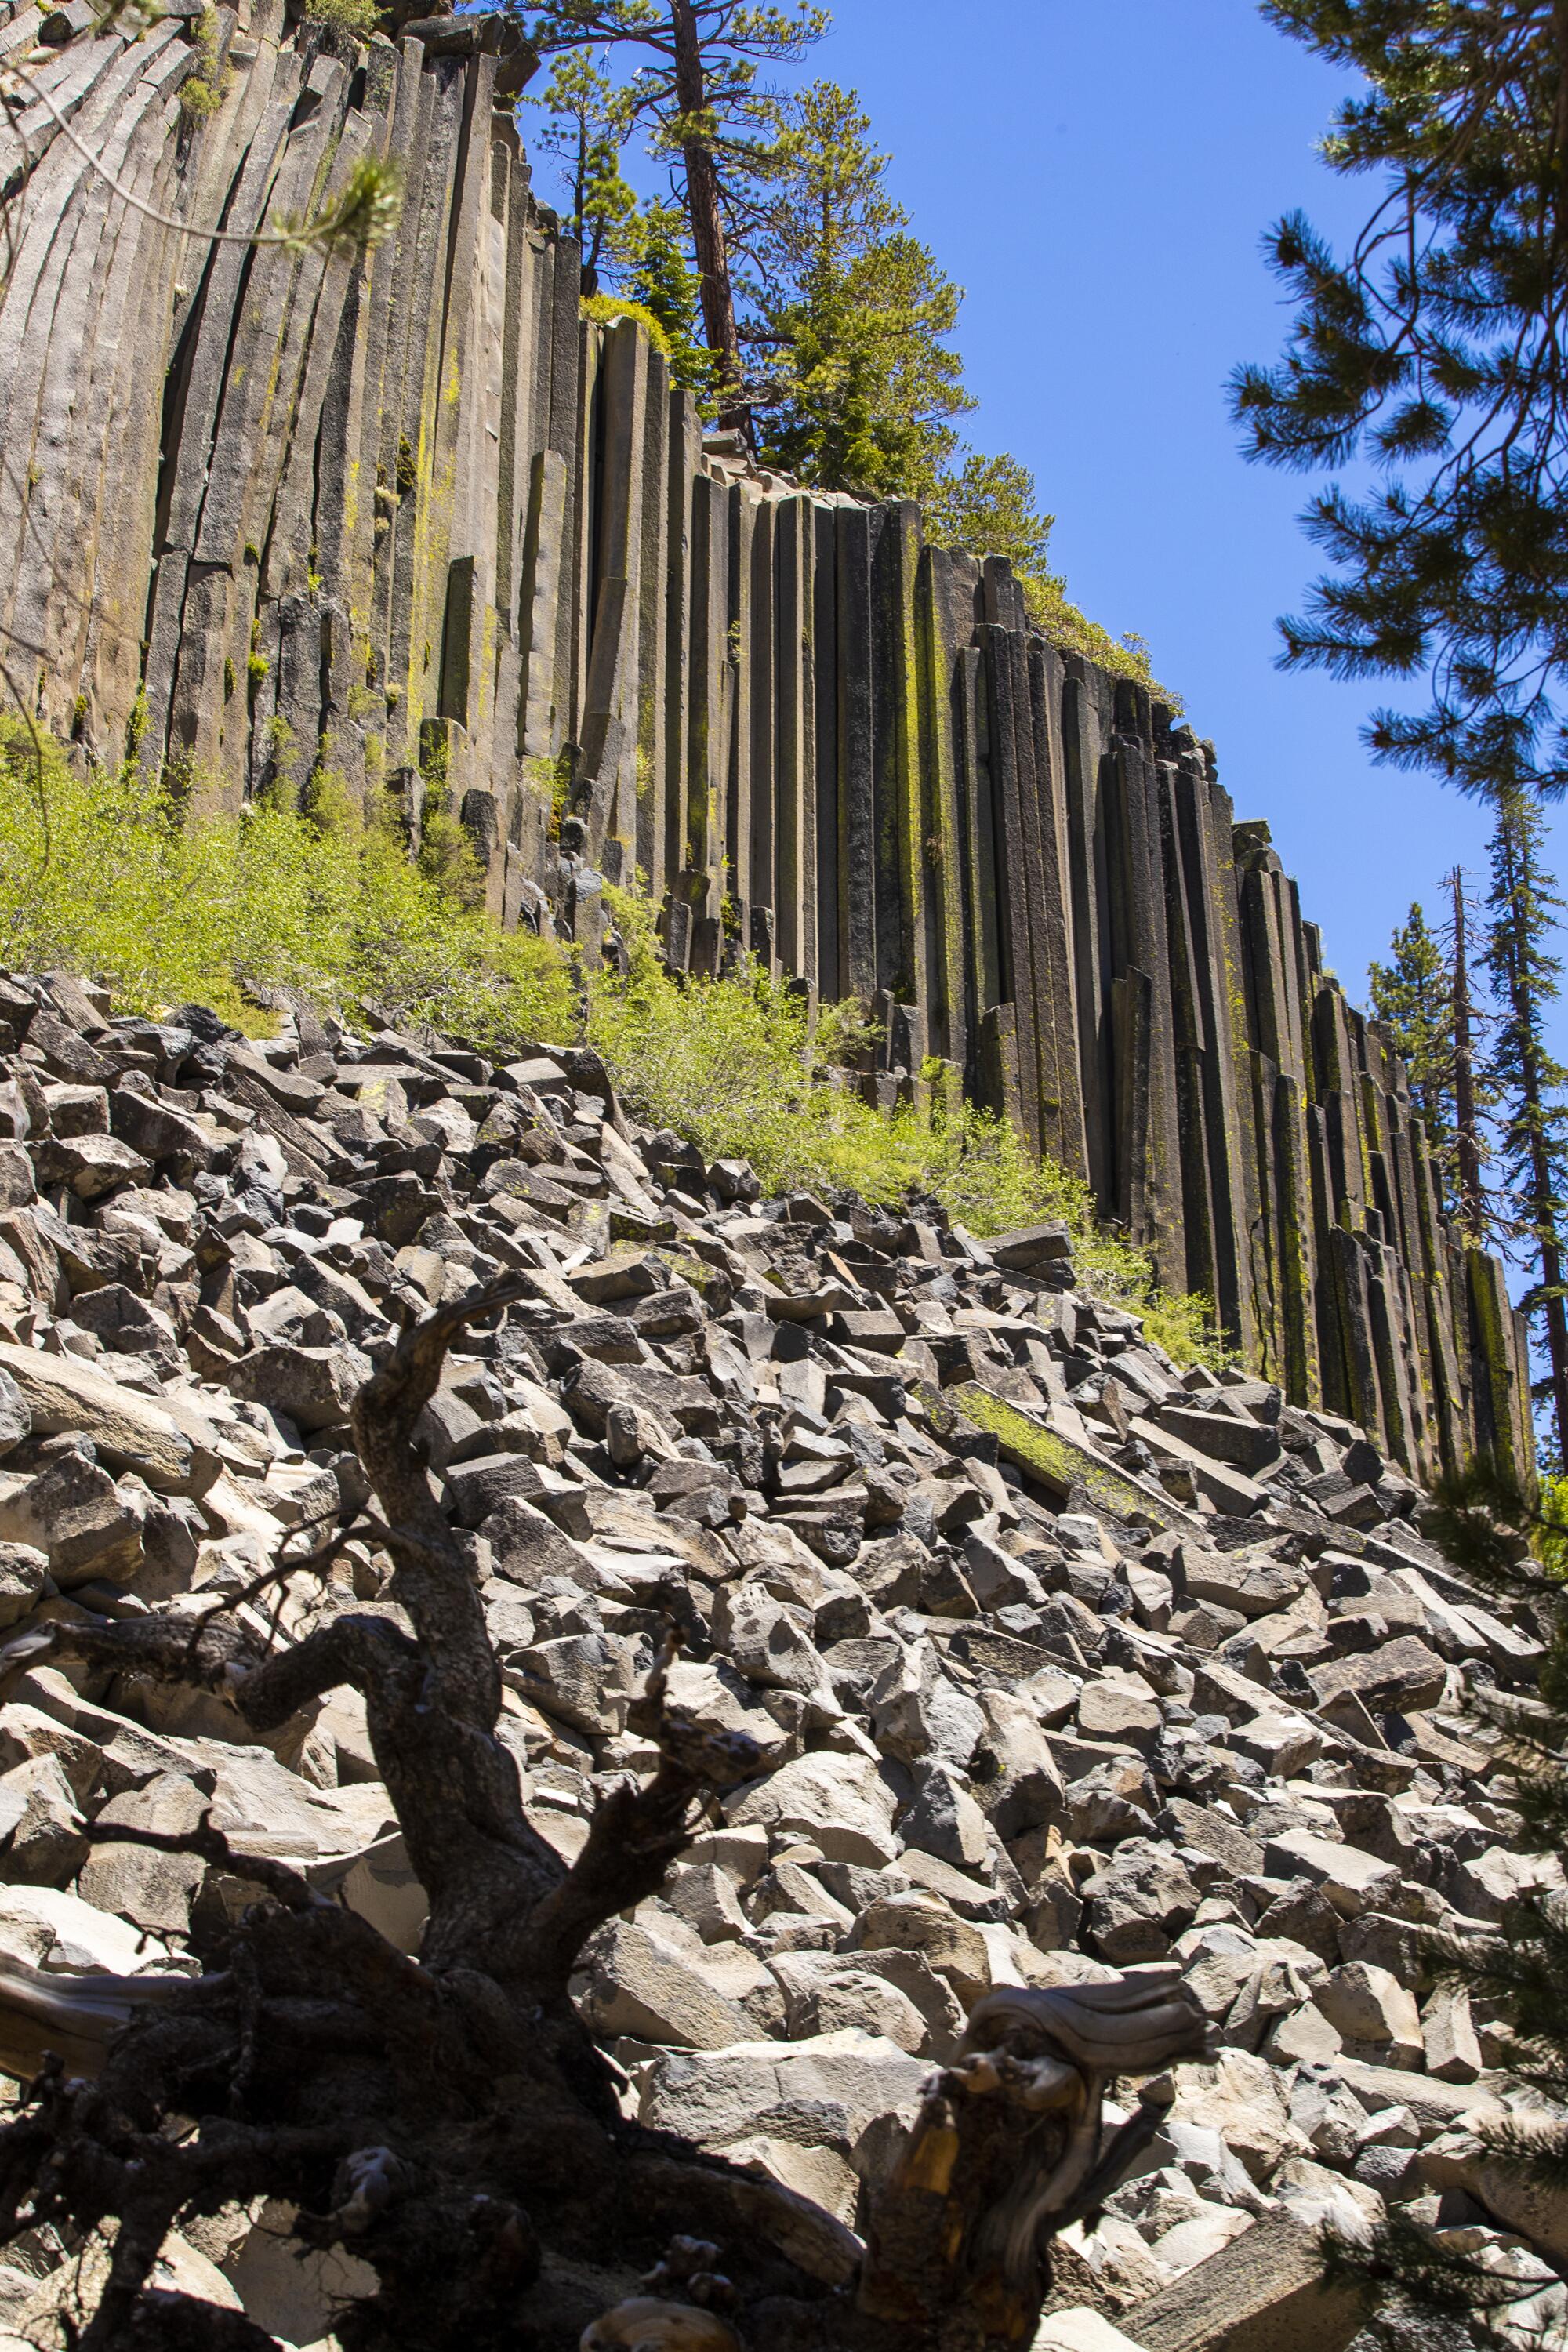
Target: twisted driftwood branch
column 1008, row 2141
column 448, row 2116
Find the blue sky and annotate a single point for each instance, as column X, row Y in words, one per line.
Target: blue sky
column 1098, row 178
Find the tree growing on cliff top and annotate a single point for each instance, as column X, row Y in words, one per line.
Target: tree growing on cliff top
column 825, row 324
column 659, row 274
column 1435, row 349
column 990, row 505
column 1413, row 996
column 697, row 92
column 848, row 314
column 1424, row 997
column 587, row 121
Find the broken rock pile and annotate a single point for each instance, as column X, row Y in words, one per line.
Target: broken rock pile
column 1061, row 1660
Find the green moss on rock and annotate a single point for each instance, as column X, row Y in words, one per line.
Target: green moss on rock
column 1059, row 1463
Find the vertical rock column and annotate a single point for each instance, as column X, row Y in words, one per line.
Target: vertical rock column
column 294, row 522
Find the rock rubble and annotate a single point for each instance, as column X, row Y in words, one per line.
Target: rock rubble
column 1062, row 1660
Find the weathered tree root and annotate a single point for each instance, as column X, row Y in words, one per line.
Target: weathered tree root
column 448, row 2119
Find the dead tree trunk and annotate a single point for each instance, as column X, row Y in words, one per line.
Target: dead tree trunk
column 448, row 2119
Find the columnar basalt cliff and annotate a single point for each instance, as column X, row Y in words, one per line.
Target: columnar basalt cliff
column 413, row 522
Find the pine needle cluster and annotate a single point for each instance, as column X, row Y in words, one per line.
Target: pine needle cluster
column 1434, row 350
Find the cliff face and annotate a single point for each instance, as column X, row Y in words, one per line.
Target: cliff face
column 411, row 521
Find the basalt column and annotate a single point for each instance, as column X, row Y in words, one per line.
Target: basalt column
column 411, row 527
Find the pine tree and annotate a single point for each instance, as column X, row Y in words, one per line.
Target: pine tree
column 853, row 314
column 587, row 122
column 1531, row 1117
column 701, row 98
column 989, row 507
column 1434, row 351
column 1413, row 996
column 659, row 274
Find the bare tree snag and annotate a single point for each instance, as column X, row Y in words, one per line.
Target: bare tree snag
column 448, row 2118
column 1009, row 2148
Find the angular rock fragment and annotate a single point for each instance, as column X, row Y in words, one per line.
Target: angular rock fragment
column 1074, row 1664
column 311, row 1386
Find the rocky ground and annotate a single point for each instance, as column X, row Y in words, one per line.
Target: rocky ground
column 1063, row 1661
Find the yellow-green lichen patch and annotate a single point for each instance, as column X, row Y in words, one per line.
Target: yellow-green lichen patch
column 1060, row 1465
column 1495, row 1353
column 704, row 1279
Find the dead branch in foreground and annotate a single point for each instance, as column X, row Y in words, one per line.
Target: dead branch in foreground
column 448, row 2119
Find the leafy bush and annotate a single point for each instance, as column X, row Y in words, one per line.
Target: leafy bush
column 199, row 97
column 733, row 1065
column 117, row 876
column 204, row 91
column 990, row 505
column 604, row 310
column 1072, row 631
column 660, row 279
column 356, row 17
column 112, row 873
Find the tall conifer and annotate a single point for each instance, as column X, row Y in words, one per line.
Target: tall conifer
column 1413, row 995
column 587, row 121
column 1531, row 1115
column 851, row 314
column 1432, row 351
column 696, row 89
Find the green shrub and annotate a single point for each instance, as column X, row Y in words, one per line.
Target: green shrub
column 126, row 882
column 733, row 1064
column 606, row 309
column 446, row 856
column 548, row 782
column 354, row 17
column 204, row 91
column 168, row 906
column 199, row 97
column 1071, row 632
column 990, row 505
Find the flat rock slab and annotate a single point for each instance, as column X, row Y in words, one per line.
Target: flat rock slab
column 1401, row 1675
column 1246, row 1445
column 1029, row 1247
column 1066, row 1467
column 1263, row 2293
column 130, row 1431
column 1229, row 1490
column 1352, row 1880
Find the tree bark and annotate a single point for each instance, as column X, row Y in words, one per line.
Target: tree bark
column 705, row 215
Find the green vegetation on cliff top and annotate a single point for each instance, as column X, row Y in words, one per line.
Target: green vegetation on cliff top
column 126, row 882
column 839, row 321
